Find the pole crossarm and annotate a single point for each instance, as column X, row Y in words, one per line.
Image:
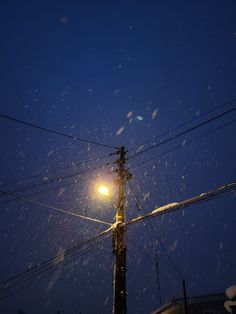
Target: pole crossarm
column 186, row 203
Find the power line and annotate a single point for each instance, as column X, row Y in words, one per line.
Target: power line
column 183, row 145
column 38, row 192
column 140, row 207
column 26, row 278
column 54, row 261
column 74, row 164
column 204, row 197
column 182, row 133
column 185, row 123
column 41, row 191
column 56, row 132
column 156, row 235
column 53, row 180
column 25, row 283
column 67, row 212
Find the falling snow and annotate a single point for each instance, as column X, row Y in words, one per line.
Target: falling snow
column 100, row 77
column 154, row 114
column 120, row 131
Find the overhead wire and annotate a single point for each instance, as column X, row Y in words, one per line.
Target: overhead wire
column 140, row 208
column 181, row 133
column 54, row 261
column 203, row 197
column 157, row 237
column 67, row 212
column 183, row 144
column 45, row 272
column 30, row 278
column 61, row 187
column 52, row 180
column 185, row 123
column 41, row 191
column 47, row 172
column 4, row 116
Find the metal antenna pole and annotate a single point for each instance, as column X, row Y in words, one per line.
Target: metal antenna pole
column 119, row 238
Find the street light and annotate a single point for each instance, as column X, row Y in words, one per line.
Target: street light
column 104, row 190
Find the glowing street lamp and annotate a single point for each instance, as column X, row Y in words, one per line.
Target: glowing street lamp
column 104, row 190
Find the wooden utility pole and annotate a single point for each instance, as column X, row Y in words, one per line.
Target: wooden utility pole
column 119, row 238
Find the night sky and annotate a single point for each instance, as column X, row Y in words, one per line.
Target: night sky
column 118, row 73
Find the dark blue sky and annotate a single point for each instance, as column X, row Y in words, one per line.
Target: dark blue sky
column 117, row 73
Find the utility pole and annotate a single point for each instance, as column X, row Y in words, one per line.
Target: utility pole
column 119, row 238
column 185, row 297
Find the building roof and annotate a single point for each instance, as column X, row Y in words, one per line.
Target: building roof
column 191, row 300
